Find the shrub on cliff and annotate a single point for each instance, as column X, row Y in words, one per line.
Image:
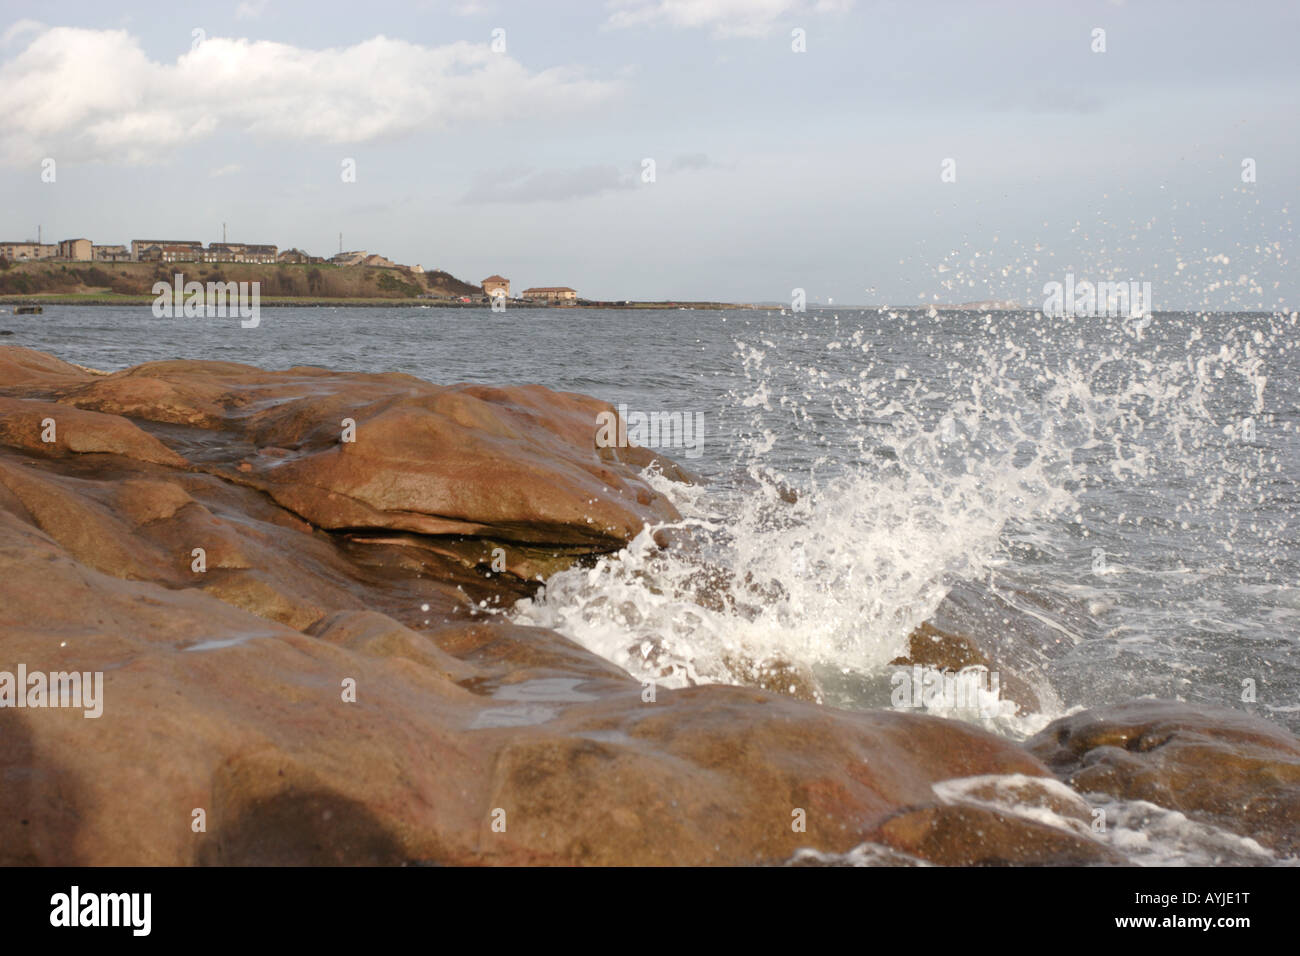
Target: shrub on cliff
column 390, row 283
column 94, row 276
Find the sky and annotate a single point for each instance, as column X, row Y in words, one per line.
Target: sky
column 734, row 150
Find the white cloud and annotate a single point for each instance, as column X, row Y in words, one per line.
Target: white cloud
column 94, row 94
column 228, row 170
column 726, row 17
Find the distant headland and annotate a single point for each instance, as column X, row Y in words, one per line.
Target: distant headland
column 80, row 272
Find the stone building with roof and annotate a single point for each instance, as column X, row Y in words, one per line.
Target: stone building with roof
column 28, row 249
column 240, row 252
column 166, row 250
column 110, row 253
column 77, row 250
column 551, row 293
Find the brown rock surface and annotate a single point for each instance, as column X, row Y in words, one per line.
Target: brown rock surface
column 296, row 638
column 518, row 464
column 210, row 707
column 1219, row 766
column 928, row 646
column 976, row 836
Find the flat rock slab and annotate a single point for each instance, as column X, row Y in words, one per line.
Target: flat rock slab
column 1219, row 766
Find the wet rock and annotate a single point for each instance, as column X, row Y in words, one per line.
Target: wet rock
column 928, row 646
column 377, row 635
column 24, row 425
column 348, row 451
column 1019, row 632
column 1218, row 766
column 999, row 820
column 775, row 674
column 327, row 683
column 20, row 367
column 722, row 775
column 963, row 835
column 210, row 708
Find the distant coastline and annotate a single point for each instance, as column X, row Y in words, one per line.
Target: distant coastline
column 281, row 284
column 312, row 302
column 360, row 284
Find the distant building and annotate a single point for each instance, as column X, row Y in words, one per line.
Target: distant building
column 551, row 293
column 239, row 252
column 191, row 251
column 172, row 252
column 379, row 262
column 494, row 284
column 109, row 253
column 28, row 249
column 182, row 252
column 354, row 258
column 76, row 249
column 296, row 256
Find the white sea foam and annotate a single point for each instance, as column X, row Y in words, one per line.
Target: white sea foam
column 1143, row 833
column 903, row 485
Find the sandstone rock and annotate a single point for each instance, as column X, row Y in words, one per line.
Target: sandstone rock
column 928, row 646
column 332, row 569
column 963, row 835
column 22, row 424
column 208, row 707
column 334, row 684
column 1219, row 766
column 720, row 775
column 517, row 464
column 20, row 367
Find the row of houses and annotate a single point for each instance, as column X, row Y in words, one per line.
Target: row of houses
column 187, row 250
column 180, row 250
column 141, row 250
column 495, row 285
column 170, row 250
column 73, row 250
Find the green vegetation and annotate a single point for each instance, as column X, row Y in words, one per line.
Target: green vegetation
column 390, row 283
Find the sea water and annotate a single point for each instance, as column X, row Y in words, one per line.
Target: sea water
column 1112, row 500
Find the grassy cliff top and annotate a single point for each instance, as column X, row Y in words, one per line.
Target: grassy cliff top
column 95, row 281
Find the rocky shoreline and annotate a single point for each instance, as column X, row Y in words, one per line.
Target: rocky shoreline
column 301, row 665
